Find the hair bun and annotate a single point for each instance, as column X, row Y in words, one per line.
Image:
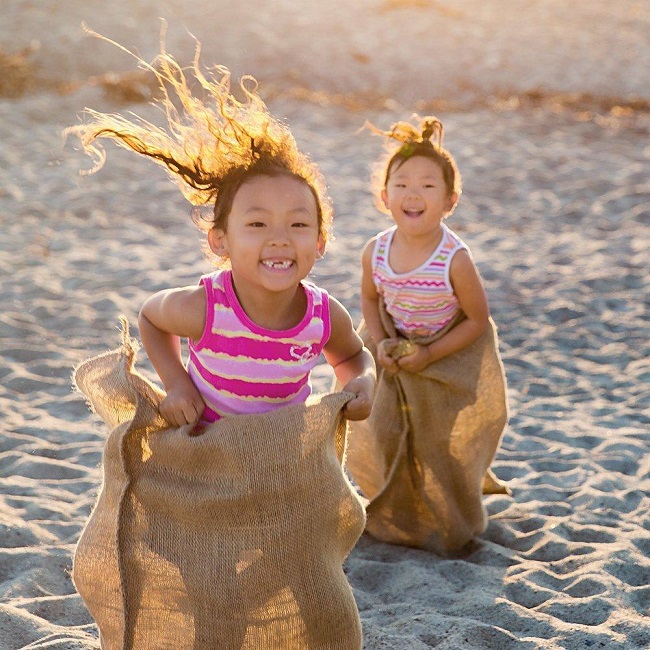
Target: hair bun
column 431, row 126
column 407, row 134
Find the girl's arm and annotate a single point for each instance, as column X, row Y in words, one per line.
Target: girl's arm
column 353, row 364
column 164, row 319
column 468, row 287
column 370, row 309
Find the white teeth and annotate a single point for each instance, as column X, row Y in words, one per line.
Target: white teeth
column 277, row 265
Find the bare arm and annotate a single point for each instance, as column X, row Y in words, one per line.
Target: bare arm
column 369, row 295
column 370, row 309
column 164, row 319
column 353, row 364
column 468, row 287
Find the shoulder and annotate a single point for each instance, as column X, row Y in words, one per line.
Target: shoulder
column 463, row 269
column 179, row 311
column 193, row 304
column 371, row 245
column 182, row 298
column 462, row 259
column 339, row 315
column 454, row 239
column 321, row 297
column 385, row 235
column 191, row 300
column 318, row 297
column 369, row 249
column 214, row 280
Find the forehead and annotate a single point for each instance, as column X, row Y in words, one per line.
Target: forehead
column 275, row 192
column 416, row 166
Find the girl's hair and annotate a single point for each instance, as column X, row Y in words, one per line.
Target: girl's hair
column 406, row 140
column 213, row 144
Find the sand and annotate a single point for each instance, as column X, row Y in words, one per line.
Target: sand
column 545, row 105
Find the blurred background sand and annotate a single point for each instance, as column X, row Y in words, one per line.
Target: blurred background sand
column 546, row 108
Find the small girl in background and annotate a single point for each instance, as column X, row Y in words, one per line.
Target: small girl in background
column 440, row 406
column 255, row 327
column 422, row 270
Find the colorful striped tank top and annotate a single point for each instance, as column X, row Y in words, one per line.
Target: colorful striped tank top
column 421, row 302
column 239, row 367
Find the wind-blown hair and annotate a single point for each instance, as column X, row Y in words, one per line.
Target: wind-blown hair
column 406, row 140
column 212, row 144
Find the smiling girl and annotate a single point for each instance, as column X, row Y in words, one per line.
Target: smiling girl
column 422, row 458
column 256, row 327
column 421, row 269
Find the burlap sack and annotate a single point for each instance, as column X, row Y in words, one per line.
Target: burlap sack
column 423, row 457
column 233, row 539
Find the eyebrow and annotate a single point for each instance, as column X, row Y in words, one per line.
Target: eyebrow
column 259, row 208
column 399, row 174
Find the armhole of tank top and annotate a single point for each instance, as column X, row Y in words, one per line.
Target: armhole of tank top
column 206, row 282
column 457, row 247
column 325, row 313
column 378, row 242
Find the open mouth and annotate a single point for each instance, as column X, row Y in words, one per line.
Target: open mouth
column 277, row 264
column 413, row 213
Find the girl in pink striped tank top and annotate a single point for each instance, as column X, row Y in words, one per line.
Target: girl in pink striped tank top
column 256, row 328
column 420, row 269
column 422, row 458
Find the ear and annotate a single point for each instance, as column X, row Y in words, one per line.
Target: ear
column 217, row 242
column 450, row 205
column 384, row 198
column 320, row 246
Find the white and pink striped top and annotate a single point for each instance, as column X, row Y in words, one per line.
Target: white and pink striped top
column 421, row 302
column 239, row 367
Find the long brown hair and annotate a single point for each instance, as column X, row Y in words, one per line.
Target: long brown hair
column 211, row 144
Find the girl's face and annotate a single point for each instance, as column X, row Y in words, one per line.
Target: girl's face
column 417, row 196
column 273, row 236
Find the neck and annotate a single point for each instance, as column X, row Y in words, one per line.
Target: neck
column 274, row 311
column 425, row 241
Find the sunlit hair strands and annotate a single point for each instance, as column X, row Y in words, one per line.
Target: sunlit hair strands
column 211, row 144
column 409, row 135
column 422, row 136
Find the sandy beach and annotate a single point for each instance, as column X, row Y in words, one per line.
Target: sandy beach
column 546, row 106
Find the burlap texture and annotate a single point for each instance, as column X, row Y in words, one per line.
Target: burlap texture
column 234, row 539
column 422, row 458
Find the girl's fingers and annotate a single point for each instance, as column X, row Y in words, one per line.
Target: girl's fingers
column 190, row 415
column 358, row 408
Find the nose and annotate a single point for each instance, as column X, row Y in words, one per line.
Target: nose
column 278, row 235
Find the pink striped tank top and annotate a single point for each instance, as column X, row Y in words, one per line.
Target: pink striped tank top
column 239, row 367
column 421, row 302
